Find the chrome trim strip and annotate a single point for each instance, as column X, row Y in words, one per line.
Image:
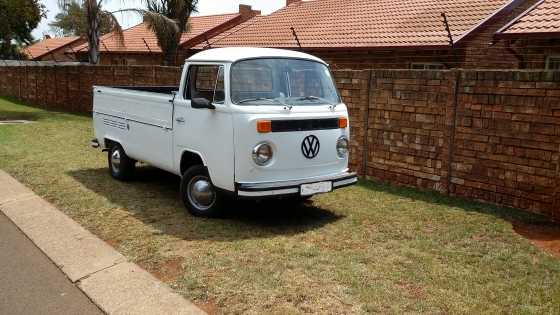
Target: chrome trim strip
column 279, row 184
column 345, row 182
column 268, row 192
column 133, row 120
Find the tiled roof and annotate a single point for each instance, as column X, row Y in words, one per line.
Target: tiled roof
column 362, row 23
column 542, row 18
column 49, row 45
column 139, row 38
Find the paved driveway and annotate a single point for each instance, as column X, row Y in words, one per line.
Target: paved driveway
column 30, row 283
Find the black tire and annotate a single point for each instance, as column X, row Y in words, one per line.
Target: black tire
column 121, row 166
column 199, row 195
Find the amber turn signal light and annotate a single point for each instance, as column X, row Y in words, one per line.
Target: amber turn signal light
column 343, row 122
column 264, row 126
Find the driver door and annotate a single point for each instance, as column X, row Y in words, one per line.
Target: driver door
column 207, row 132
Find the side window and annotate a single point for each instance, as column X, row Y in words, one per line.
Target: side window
column 219, row 89
column 206, row 81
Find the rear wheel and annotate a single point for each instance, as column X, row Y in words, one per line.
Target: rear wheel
column 121, row 166
column 199, row 195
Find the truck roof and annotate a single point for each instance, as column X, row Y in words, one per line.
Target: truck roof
column 233, row 54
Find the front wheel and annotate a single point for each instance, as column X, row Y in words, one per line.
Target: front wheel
column 199, row 194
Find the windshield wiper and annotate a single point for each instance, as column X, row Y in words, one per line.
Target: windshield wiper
column 315, row 98
column 258, row 99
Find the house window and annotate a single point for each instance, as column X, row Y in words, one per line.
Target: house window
column 427, row 66
column 553, row 63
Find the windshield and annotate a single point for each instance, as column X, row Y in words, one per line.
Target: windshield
column 277, row 81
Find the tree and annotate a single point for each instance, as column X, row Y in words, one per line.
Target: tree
column 18, row 18
column 73, row 20
column 168, row 19
column 94, row 16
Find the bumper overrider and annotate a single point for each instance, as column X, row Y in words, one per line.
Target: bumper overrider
column 294, row 187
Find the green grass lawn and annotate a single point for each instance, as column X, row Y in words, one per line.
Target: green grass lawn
column 371, row 248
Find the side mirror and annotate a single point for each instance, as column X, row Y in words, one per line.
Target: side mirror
column 202, row 103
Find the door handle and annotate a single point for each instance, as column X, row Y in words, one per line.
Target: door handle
column 180, row 120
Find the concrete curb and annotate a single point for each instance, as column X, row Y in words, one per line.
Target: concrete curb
column 103, row 274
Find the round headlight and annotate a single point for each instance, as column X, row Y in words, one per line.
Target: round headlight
column 342, row 147
column 262, row 154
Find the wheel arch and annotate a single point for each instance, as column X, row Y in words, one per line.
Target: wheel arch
column 108, row 142
column 189, row 159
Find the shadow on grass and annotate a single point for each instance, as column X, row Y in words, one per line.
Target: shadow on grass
column 20, row 115
column 153, row 198
column 31, row 112
column 508, row 214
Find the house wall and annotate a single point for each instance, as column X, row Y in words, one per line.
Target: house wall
column 534, row 52
column 62, row 54
column 359, row 59
column 482, row 51
column 478, row 51
column 57, row 56
column 131, row 59
column 492, row 136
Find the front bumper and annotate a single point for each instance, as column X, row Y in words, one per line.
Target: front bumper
column 286, row 188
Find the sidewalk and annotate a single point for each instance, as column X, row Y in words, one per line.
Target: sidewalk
column 30, row 283
column 102, row 274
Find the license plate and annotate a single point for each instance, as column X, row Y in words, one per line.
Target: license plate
column 316, row 188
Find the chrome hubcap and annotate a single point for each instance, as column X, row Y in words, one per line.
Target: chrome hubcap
column 201, row 192
column 116, row 160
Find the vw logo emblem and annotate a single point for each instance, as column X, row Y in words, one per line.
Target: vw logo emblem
column 310, row 147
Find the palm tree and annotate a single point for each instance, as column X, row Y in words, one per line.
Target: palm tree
column 94, row 14
column 168, row 19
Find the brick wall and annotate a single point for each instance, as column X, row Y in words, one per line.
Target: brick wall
column 507, row 139
column 492, row 136
column 410, row 124
column 70, row 87
column 354, row 89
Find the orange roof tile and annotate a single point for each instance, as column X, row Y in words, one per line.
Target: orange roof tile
column 542, row 18
column 362, row 23
column 139, row 38
column 48, row 45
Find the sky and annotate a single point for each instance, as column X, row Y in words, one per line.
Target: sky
column 205, row 7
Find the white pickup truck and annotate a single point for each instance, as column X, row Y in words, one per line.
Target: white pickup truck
column 244, row 123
